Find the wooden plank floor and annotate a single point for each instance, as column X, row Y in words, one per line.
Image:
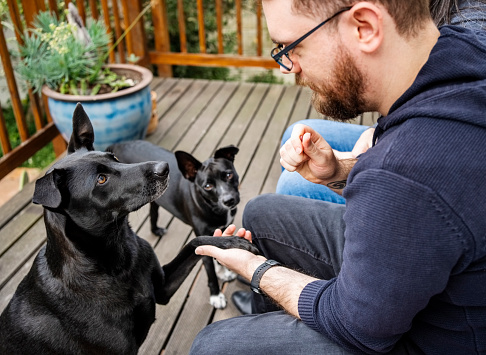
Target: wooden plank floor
column 196, row 116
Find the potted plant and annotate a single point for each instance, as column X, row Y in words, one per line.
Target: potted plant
column 67, row 62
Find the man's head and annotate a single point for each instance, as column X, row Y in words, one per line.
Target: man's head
column 350, row 53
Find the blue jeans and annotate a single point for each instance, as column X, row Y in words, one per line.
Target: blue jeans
column 340, row 136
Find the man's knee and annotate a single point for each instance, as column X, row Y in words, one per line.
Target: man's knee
column 205, row 343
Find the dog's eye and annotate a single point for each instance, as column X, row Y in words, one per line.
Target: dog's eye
column 229, row 176
column 208, row 187
column 102, row 179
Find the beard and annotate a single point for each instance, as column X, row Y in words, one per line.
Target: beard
column 342, row 97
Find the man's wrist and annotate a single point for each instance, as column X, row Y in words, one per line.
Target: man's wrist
column 339, row 181
column 258, row 274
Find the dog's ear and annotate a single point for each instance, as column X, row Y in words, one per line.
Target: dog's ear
column 46, row 191
column 188, row 165
column 228, row 152
column 83, row 134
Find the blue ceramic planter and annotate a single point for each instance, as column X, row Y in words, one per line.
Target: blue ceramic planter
column 115, row 117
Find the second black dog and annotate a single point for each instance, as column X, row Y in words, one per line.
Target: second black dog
column 202, row 195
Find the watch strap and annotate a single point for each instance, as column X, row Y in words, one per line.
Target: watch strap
column 257, row 275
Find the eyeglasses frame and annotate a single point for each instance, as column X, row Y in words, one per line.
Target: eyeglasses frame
column 285, row 52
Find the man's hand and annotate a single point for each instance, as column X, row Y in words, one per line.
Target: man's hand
column 281, row 284
column 240, row 261
column 312, row 157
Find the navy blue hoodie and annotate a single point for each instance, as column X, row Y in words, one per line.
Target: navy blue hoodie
column 414, row 265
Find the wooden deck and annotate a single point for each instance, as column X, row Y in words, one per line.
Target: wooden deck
column 196, row 116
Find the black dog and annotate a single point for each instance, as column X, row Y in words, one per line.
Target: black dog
column 202, row 195
column 93, row 288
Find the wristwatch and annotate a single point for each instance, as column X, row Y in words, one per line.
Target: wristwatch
column 257, row 275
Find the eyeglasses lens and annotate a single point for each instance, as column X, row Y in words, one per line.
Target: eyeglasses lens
column 283, row 59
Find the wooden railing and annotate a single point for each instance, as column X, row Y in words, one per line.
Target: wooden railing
column 118, row 15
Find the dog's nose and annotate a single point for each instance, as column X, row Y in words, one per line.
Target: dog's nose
column 230, row 202
column 161, row 168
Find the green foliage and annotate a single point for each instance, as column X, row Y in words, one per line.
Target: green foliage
column 53, row 55
column 265, row 77
column 3, row 8
column 43, row 157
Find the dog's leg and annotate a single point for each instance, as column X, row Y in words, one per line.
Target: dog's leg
column 154, row 216
column 216, row 298
column 177, row 270
column 224, row 274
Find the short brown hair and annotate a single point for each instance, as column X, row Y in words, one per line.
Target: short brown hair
column 409, row 15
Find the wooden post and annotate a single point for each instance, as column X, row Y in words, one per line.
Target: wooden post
column 136, row 38
column 200, row 21
column 239, row 28
column 106, row 17
column 4, row 139
column 161, row 32
column 12, row 87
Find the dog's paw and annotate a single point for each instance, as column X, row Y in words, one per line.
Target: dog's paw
column 225, row 243
column 218, row 301
column 159, row 232
column 242, row 243
column 223, row 273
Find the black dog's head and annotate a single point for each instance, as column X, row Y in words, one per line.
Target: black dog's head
column 215, row 179
column 93, row 188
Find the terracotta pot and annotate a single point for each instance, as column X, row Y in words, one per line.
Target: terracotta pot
column 116, row 117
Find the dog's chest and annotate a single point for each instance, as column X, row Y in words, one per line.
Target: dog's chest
column 208, row 225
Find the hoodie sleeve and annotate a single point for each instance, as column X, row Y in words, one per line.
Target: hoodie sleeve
column 393, row 264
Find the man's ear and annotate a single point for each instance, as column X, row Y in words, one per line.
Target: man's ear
column 47, row 191
column 366, row 22
column 188, row 165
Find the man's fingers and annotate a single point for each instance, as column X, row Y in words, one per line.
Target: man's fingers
column 248, row 236
column 291, row 159
column 229, row 230
column 208, row 250
column 289, row 153
column 317, row 150
column 241, row 232
column 296, row 143
column 299, row 130
column 286, row 166
column 309, row 147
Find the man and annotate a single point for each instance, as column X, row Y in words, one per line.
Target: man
column 347, row 137
column 411, row 277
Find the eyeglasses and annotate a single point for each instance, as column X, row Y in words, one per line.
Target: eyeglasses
column 280, row 51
